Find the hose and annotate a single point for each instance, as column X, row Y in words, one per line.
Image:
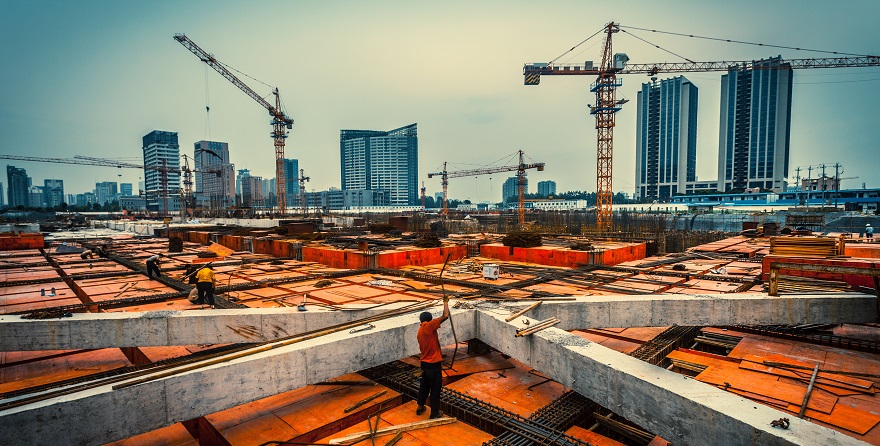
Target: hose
column 451, row 323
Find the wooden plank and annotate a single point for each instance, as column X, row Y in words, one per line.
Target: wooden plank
column 844, row 417
column 360, row 436
column 766, row 385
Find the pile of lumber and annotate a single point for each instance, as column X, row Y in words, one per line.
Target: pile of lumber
column 807, row 246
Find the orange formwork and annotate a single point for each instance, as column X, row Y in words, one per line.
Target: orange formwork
column 10, row 242
column 354, row 259
column 862, row 250
column 607, row 253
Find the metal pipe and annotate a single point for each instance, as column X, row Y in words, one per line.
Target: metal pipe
column 809, row 391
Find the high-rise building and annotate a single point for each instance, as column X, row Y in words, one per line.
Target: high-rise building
column 252, row 191
column 125, row 189
column 35, row 197
column 162, row 178
column 291, row 178
column 510, row 190
column 754, row 135
column 2, row 196
column 17, row 184
column 377, row 160
column 214, row 190
column 106, row 191
column 53, row 191
column 666, row 138
column 546, row 188
column 239, row 181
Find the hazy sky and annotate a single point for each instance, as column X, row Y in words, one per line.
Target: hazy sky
column 92, row 77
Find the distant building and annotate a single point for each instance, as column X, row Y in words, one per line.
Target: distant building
column 2, row 196
column 753, row 146
column 86, row 199
column 106, row 191
column 70, row 199
column 554, row 204
column 53, row 191
column 666, row 138
column 239, row 180
column 18, row 184
column 510, row 190
column 132, row 203
column 822, row 183
column 125, row 189
column 350, row 199
column 35, row 197
column 291, row 178
column 377, row 160
column 252, row 191
column 215, row 184
column 546, row 188
column 162, row 155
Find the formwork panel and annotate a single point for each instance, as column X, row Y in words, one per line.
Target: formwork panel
column 56, row 369
column 30, row 297
column 174, row 435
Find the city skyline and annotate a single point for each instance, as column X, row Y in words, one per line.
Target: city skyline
column 369, row 77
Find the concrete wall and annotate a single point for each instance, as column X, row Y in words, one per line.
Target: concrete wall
column 165, row 328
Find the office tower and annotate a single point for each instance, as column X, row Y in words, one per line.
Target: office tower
column 291, row 178
column 754, row 135
column 2, row 196
column 53, row 192
column 252, row 191
column 666, row 137
column 546, row 188
column 106, row 191
column 162, row 172
column 71, row 199
column 377, row 160
column 215, row 182
column 125, row 189
column 35, row 197
column 18, row 184
column 510, row 190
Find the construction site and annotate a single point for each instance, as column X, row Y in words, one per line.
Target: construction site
column 744, row 339
column 596, row 326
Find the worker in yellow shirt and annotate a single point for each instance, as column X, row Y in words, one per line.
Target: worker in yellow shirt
column 205, row 284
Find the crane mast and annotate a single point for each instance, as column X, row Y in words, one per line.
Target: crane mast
column 520, row 175
column 281, row 123
column 607, row 105
column 302, row 191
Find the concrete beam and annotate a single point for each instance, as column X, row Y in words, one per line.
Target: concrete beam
column 660, row 310
column 679, row 409
column 165, row 328
column 101, row 414
column 168, row 328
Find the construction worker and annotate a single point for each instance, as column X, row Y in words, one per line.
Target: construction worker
column 153, row 266
column 87, row 254
column 205, row 284
column 869, row 231
column 432, row 372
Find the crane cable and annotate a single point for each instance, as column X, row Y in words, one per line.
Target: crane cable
column 657, row 46
column 574, row 47
column 746, row 43
column 207, row 107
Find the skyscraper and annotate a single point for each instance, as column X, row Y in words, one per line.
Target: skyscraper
column 291, row 177
column 125, row 189
column 53, row 192
column 547, row 188
column 510, row 190
column 213, row 189
column 162, row 157
column 106, row 191
column 18, row 184
column 754, row 135
column 666, row 137
column 378, row 160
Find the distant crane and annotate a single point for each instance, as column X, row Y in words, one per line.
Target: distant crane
column 607, row 105
column 302, row 191
column 423, row 195
column 520, row 175
column 281, row 123
column 91, row 161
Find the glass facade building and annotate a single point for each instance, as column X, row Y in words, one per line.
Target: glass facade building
column 547, row 188
column 666, row 137
column 17, row 185
column 214, row 190
column 753, row 146
column 291, row 178
column 377, row 160
column 162, row 156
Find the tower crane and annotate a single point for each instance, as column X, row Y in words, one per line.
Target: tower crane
column 423, row 195
column 281, row 123
column 520, row 176
column 606, row 84
column 302, row 191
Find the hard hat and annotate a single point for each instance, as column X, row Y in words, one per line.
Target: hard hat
column 869, row 224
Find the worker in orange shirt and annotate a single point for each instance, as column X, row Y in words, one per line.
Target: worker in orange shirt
column 432, row 372
column 205, row 284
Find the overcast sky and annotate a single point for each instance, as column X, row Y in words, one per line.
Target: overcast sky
column 92, row 77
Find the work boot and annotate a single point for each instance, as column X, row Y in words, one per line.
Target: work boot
column 439, row 414
column 420, row 410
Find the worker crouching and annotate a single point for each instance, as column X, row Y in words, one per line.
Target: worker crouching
column 205, row 284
